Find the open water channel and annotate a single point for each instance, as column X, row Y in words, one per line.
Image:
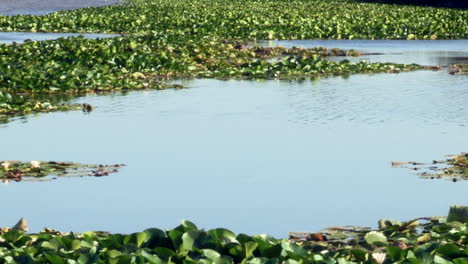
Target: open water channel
column 252, row 156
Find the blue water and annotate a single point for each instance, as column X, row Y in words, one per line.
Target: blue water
column 252, row 156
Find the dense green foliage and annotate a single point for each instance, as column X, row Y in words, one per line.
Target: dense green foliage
column 261, row 19
column 433, row 242
column 435, row 3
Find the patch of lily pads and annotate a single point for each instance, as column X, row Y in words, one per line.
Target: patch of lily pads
column 165, row 40
column 45, row 171
column 422, row 240
column 261, row 19
column 454, row 168
column 75, row 66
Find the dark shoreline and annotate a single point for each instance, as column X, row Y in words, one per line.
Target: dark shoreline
column 38, row 7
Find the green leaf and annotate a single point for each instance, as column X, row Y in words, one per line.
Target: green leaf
column 151, row 258
column 114, row 253
column 294, row 249
column 395, row 253
column 54, row 259
column 52, row 244
column 441, row 260
column 460, row 261
column 449, row 250
column 211, row 254
column 165, row 252
column 140, row 238
column 375, row 238
column 223, row 236
column 188, row 225
column 250, row 248
column 194, row 239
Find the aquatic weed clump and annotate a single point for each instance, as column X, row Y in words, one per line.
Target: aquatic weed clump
column 435, row 241
column 261, row 19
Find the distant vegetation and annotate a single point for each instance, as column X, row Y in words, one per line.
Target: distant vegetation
column 434, row 3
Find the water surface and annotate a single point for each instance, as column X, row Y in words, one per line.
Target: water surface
column 424, row 52
column 251, row 156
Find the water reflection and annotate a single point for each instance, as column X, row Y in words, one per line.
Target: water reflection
column 424, row 52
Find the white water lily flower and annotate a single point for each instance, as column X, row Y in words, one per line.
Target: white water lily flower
column 379, row 257
column 6, row 165
column 35, row 164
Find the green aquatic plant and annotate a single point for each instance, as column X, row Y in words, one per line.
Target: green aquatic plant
column 435, row 241
column 164, row 40
column 45, row 171
column 75, row 66
column 260, row 19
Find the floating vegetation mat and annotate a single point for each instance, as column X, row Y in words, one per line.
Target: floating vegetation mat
column 455, row 168
column 423, row 240
column 459, row 69
column 46, row 171
column 167, row 39
column 260, row 19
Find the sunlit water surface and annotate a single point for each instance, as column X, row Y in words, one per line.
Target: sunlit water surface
column 251, row 156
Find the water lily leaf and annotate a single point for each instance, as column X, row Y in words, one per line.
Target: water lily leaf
column 460, row 261
column 151, row 258
column 52, row 244
column 293, row 250
column 223, row 236
column 211, row 254
column 395, row 253
column 188, row 225
column 194, row 239
column 165, row 252
column 114, row 253
column 250, row 248
column 375, row 238
column 55, row 259
column 441, row 260
column 449, row 250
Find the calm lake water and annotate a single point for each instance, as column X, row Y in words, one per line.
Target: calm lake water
column 251, row 156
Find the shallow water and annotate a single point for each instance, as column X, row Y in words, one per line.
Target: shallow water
column 424, row 52
column 251, row 156
column 20, row 37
